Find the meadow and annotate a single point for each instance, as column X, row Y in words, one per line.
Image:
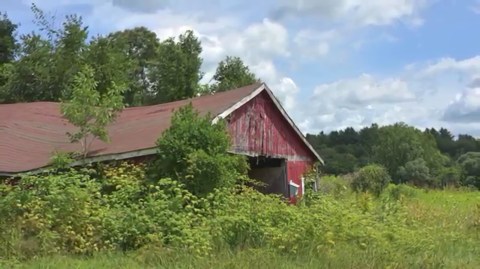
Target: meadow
column 405, row 227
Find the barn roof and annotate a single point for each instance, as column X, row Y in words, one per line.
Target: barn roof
column 30, row 133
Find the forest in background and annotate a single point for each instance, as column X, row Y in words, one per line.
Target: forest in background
column 428, row 158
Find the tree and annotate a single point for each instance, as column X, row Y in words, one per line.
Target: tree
column 470, row 164
column 47, row 61
column 399, row 143
column 194, row 152
column 176, row 73
column 466, row 143
column 110, row 65
column 416, row 172
column 371, row 178
column 232, row 73
column 8, row 42
column 141, row 48
column 89, row 110
column 450, row 176
column 30, row 77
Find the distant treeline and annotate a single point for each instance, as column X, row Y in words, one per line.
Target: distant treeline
column 424, row 157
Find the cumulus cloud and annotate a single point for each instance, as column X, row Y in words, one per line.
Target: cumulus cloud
column 314, row 43
column 407, row 97
column 147, row 6
column 358, row 12
column 470, row 65
column 363, row 91
column 465, row 108
column 357, row 102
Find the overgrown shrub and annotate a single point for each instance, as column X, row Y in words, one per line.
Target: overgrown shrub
column 371, row 178
column 338, row 186
column 193, row 151
column 400, row 191
column 51, row 214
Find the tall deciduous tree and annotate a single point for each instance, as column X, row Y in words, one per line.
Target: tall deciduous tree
column 8, row 42
column 470, row 163
column 177, row 70
column 90, row 110
column 140, row 46
column 399, row 144
column 232, row 73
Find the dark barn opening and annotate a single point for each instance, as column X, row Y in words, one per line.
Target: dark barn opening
column 272, row 172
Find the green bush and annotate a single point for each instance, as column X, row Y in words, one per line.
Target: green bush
column 371, row 178
column 193, row 151
column 51, row 214
column 400, row 191
column 337, row 186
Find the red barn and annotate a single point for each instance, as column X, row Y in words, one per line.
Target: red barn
column 279, row 154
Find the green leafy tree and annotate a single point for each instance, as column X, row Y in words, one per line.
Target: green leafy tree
column 47, row 60
column 470, row 163
column 89, row 110
column 141, row 48
column 371, row 178
column 176, row 72
column 415, row 171
column 232, row 73
column 193, row 151
column 450, row 176
column 399, row 143
column 8, row 42
column 30, row 77
column 111, row 66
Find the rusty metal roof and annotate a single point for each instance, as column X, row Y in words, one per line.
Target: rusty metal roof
column 30, row 133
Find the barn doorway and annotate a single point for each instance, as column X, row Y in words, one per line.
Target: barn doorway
column 272, row 172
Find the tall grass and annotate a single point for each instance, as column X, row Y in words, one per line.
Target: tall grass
column 403, row 228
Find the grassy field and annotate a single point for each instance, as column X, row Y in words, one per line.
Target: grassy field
column 448, row 231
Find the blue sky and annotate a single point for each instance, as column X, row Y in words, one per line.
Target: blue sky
column 332, row 63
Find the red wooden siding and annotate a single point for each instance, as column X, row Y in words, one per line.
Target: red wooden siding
column 258, row 128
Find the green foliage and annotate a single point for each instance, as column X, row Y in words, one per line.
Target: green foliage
column 50, row 214
column 114, row 208
column 371, row 178
column 401, row 191
column 194, row 152
column 416, row 172
column 450, row 176
column 140, row 47
column 61, row 160
column 232, row 73
column 399, row 144
column 176, row 73
column 89, row 110
column 336, row 186
column 8, row 42
column 470, row 163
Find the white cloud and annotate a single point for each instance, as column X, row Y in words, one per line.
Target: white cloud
column 465, row 108
column 147, row 6
column 363, row 91
column 356, row 12
column 467, row 66
column 421, row 95
column 314, row 43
